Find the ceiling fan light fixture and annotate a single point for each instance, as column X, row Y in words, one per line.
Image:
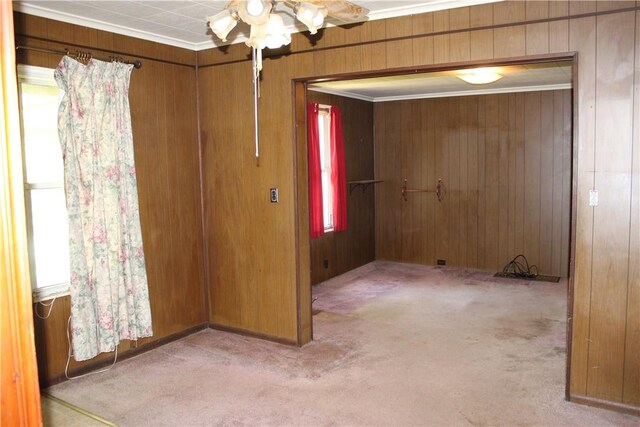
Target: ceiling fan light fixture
column 271, row 35
column 310, row 15
column 255, row 7
column 480, row 76
column 222, row 23
column 254, row 12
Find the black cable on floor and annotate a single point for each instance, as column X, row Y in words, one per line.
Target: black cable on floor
column 520, row 269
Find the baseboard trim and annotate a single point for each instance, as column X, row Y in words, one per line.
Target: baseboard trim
column 125, row 355
column 252, row 334
column 605, row 404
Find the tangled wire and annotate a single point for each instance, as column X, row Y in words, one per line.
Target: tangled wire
column 520, row 269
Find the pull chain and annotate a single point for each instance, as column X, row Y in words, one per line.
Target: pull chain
column 257, row 66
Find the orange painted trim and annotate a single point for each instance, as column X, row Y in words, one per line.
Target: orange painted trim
column 20, row 403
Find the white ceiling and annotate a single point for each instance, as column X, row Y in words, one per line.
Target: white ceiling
column 182, row 23
column 516, row 78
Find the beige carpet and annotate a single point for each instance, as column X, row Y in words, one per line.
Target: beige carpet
column 57, row 413
column 395, row 344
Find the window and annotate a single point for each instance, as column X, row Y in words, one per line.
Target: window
column 47, row 222
column 327, row 176
column 324, row 133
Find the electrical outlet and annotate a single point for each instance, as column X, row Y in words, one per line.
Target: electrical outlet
column 273, row 195
column 325, row 263
column 593, row 197
column 442, row 262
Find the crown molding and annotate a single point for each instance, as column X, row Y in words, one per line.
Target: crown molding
column 431, row 6
column 69, row 18
column 339, row 92
column 406, row 10
column 469, row 92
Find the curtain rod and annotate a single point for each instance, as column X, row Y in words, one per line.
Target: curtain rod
column 80, row 55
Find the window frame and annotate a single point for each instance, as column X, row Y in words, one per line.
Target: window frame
column 324, row 128
column 34, row 75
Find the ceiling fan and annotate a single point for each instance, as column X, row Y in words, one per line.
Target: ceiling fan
column 264, row 23
column 268, row 30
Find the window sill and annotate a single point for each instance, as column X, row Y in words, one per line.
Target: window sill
column 50, row 292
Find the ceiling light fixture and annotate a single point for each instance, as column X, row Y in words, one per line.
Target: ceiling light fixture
column 480, row 76
column 255, row 7
column 310, row 15
column 222, row 23
column 268, row 29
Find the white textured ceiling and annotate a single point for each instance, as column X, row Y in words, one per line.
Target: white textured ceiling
column 183, row 23
column 516, row 78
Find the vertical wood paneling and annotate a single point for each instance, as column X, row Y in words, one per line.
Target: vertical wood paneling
column 229, row 215
column 503, row 180
column 576, row 35
column 399, row 50
column 567, row 177
column 463, row 223
column 305, row 326
column 535, row 10
column 520, row 189
column 513, row 40
column 546, row 182
column 442, row 142
column 557, row 158
column 495, row 155
column 558, row 36
column 582, row 39
column 428, row 206
column 163, row 111
column 482, row 44
column 481, row 16
column 631, row 380
column 411, row 241
column 580, row 7
column 491, row 191
column 537, row 38
column 509, row 41
column 472, row 179
column 387, row 192
column 459, row 18
column 614, row 122
column 532, row 151
column 482, row 193
column 511, row 180
column 558, row 8
column 354, row 247
column 604, row 6
column 509, row 11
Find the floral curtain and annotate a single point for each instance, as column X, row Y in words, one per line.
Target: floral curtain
column 109, row 294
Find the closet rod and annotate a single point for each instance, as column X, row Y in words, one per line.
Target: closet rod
column 80, row 55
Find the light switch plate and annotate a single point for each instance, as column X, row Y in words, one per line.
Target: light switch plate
column 593, row 197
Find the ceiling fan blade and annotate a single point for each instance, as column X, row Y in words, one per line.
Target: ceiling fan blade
column 343, row 10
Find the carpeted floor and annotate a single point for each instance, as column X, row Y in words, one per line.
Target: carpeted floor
column 395, row 344
column 57, row 413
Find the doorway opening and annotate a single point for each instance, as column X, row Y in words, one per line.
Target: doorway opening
column 487, row 171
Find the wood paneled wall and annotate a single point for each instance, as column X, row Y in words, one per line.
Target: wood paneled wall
column 250, row 241
column 252, row 257
column 164, row 119
column 354, row 247
column 505, row 161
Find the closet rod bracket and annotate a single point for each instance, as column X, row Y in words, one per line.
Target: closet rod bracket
column 439, row 191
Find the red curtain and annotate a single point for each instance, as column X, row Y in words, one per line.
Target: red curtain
column 338, row 172
column 316, row 222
